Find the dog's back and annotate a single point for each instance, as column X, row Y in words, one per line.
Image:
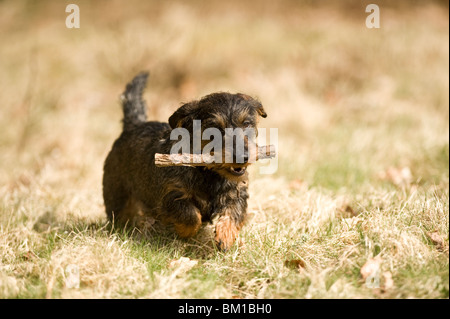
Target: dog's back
column 125, row 164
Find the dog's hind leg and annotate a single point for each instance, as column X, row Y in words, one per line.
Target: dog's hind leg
column 182, row 213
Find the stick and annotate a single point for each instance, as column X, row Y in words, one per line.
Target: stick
column 186, row 159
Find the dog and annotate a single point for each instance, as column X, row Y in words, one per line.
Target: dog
column 183, row 197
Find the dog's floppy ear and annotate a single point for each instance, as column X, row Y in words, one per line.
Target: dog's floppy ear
column 254, row 103
column 182, row 115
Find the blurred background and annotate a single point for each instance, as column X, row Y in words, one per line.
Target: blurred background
column 350, row 103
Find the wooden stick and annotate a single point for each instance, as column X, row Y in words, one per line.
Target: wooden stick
column 186, row 159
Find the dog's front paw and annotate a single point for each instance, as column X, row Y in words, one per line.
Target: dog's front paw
column 226, row 233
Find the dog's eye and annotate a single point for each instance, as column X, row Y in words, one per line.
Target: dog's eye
column 246, row 124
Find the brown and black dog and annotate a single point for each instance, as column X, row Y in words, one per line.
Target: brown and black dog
column 185, row 197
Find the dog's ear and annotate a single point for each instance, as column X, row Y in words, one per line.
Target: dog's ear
column 260, row 110
column 181, row 116
column 254, row 103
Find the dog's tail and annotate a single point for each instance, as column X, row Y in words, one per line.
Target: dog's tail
column 134, row 107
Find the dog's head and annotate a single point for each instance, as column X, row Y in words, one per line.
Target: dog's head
column 224, row 120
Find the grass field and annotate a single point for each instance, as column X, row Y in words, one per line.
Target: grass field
column 359, row 205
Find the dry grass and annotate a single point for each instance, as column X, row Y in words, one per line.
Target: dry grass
column 353, row 107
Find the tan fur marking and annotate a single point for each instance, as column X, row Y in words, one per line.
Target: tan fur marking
column 186, row 231
column 226, row 232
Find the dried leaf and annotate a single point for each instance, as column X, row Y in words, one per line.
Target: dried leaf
column 437, row 240
column 351, row 223
column 29, row 255
column 184, row 264
column 294, row 264
column 346, row 211
column 298, row 184
column 388, row 281
column 371, row 267
column 398, row 176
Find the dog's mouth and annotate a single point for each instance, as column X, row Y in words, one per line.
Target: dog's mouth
column 233, row 172
column 237, row 171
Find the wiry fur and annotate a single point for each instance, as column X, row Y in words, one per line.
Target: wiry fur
column 134, row 188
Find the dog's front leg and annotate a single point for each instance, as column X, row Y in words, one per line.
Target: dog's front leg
column 228, row 225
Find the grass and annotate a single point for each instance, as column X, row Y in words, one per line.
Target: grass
column 362, row 118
